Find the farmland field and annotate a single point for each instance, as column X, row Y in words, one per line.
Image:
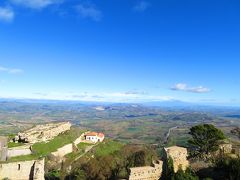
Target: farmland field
column 127, row 123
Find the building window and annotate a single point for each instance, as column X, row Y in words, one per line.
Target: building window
column 19, row 167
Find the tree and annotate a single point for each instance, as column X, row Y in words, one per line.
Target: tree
column 236, row 132
column 229, row 166
column 52, row 175
column 205, row 139
column 139, row 158
column 168, row 169
column 187, row 175
column 179, row 175
column 111, row 166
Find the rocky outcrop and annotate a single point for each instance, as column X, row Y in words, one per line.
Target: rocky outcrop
column 179, row 157
column 43, row 132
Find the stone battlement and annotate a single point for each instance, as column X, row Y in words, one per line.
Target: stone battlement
column 43, row 132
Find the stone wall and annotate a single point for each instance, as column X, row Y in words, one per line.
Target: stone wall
column 19, row 151
column 43, row 132
column 61, row 152
column 24, row 170
column 80, row 138
column 153, row 172
column 179, row 157
column 38, row 173
column 69, row 148
column 3, row 148
column 225, row 148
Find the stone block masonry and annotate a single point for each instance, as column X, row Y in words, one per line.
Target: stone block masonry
column 153, row 172
column 25, row 170
column 179, row 157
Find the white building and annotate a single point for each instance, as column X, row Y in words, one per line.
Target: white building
column 94, row 137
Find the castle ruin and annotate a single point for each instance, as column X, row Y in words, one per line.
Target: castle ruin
column 179, row 157
column 153, row 172
column 3, row 148
column 42, row 133
column 24, row 170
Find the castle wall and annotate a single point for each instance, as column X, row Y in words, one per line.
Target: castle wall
column 43, row 132
column 24, row 170
column 38, row 173
column 179, row 157
column 147, row 173
column 19, row 151
column 63, row 150
column 3, row 148
column 3, row 154
column 80, row 138
column 225, row 148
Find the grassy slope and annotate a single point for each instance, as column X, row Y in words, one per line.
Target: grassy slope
column 81, row 147
column 43, row 149
column 107, row 147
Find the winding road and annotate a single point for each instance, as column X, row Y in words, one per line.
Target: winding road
column 168, row 134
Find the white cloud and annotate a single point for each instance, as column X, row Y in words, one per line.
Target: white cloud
column 36, row 4
column 89, row 11
column 185, row 87
column 11, row 70
column 6, row 14
column 142, row 6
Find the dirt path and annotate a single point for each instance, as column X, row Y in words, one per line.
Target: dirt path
column 86, row 151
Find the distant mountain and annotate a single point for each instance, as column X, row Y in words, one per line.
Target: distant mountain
column 107, row 105
column 169, row 104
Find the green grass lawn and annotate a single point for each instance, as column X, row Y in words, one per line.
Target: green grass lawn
column 83, row 146
column 13, row 144
column 24, row 158
column 107, row 147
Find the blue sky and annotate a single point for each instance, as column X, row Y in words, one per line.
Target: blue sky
column 121, row 50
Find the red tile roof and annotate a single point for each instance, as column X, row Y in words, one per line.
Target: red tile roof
column 91, row 134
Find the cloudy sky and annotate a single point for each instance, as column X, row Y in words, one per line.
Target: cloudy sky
column 121, row 50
